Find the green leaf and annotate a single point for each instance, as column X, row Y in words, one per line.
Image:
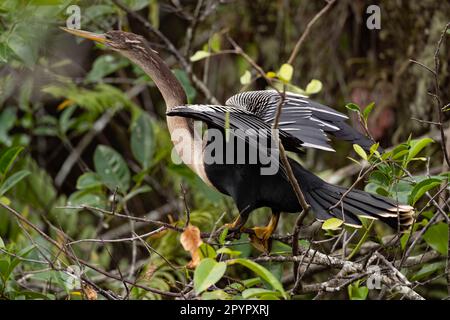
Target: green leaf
column 367, row 110
column 199, row 55
column 228, row 251
column 87, row 197
column 285, row 73
column 427, row 270
column 216, row 295
column 258, row 292
column 401, row 191
column 105, row 65
column 313, row 87
column 7, row 158
column 16, row 261
column 417, row 146
column 143, row 140
column 400, row 154
column 246, row 78
column 379, row 178
column 136, row 5
column 7, row 119
column 353, row 107
column 206, row 251
column 404, row 239
column 4, row 269
column 437, row 237
column 111, row 168
column 215, row 42
column 207, row 273
column 422, row 187
column 2, row 244
column 268, row 296
column 360, row 151
column 65, row 119
column 355, row 292
column 332, row 224
column 88, row 180
column 262, row 272
column 223, row 236
column 5, row 201
column 13, row 180
column 134, row 192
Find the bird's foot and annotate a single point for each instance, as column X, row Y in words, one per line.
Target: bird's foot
column 235, row 228
column 260, row 238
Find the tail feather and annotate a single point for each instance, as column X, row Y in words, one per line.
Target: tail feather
column 321, row 205
column 339, row 212
column 322, row 196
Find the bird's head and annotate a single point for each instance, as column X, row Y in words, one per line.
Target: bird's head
column 123, row 42
column 139, row 51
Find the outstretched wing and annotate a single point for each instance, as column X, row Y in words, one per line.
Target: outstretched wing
column 245, row 125
column 303, row 118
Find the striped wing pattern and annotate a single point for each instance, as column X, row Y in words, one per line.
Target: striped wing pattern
column 302, row 123
column 297, row 116
column 301, row 117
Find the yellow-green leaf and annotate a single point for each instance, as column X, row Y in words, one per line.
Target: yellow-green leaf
column 374, row 147
column 332, row 224
column 228, row 251
column 262, row 272
column 313, row 87
column 199, row 55
column 437, row 237
column 246, row 77
column 208, row 273
column 5, row 201
column 417, row 146
column 360, row 151
column 285, row 73
column 353, row 107
column 214, row 42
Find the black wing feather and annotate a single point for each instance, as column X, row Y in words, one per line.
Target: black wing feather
column 307, row 120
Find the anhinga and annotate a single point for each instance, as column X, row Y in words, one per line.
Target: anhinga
column 302, row 123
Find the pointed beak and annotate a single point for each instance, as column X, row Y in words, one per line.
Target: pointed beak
column 101, row 38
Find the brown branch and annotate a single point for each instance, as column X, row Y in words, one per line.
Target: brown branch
column 390, row 279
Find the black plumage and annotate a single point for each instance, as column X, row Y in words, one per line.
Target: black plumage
column 303, row 123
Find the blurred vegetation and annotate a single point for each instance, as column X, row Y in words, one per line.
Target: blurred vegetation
column 83, row 145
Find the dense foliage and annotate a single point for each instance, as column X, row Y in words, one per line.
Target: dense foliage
column 93, row 207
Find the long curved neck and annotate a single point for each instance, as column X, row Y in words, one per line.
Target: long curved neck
column 169, row 86
column 187, row 143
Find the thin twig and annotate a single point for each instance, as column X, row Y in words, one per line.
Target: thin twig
column 85, row 263
column 307, row 30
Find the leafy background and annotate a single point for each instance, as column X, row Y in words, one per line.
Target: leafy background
column 83, row 135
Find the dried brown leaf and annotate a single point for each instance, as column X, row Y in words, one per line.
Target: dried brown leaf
column 89, row 292
column 190, row 240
